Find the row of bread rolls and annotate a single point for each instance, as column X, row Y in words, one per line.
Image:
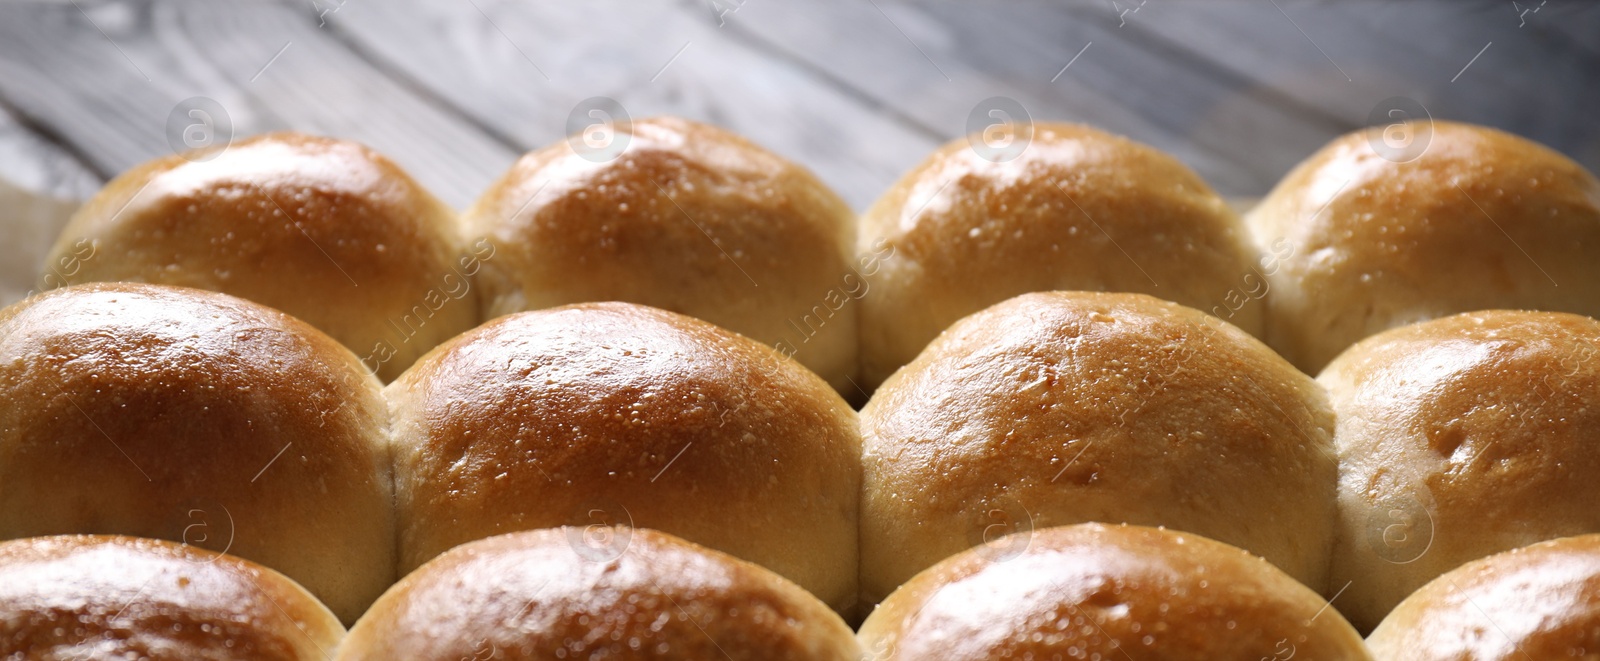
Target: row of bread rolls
column 693, row 219
column 1087, row 591
column 198, row 417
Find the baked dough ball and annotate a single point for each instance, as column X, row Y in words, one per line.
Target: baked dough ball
column 326, row 230
column 1536, row 602
column 1459, row 438
column 596, row 593
column 688, row 218
column 193, row 416
column 1094, row 591
column 105, row 597
column 618, row 413
column 1065, row 407
column 1481, row 219
column 1078, row 209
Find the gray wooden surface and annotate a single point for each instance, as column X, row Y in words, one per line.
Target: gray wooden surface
column 858, row 91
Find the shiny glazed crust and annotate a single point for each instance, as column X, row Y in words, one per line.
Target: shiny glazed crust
column 689, row 218
column 618, row 413
column 593, row 593
column 1064, row 407
column 1481, row 220
column 106, row 597
column 1458, row 438
column 1536, row 602
column 1109, row 592
column 326, row 230
column 188, row 415
column 1079, row 209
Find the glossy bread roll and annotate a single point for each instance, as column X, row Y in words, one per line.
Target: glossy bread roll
column 326, row 230
column 1536, row 602
column 1078, row 209
column 623, row 414
column 1480, row 219
column 1093, row 591
column 1064, row 407
column 596, row 593
column 1459, row 438
column 193, row 416
column 103, row 597
column 688, row 218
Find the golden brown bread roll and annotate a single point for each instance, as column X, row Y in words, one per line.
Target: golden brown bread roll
column 596, row 593
column 193, row 416
column 1078, row 209
column 688, row 218
column 324, row 229
column 624, row 414
column 1064, row 407
column 1458, row 438
column 1481, row 219
column 1094, row 591
column 106, row 597
column 1536, row 602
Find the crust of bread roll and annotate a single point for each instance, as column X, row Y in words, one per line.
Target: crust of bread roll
column 188, row 415
column 688, row 218
column 326, row 230
column 1066, row 407
column 1078, row 209
column 1459, row 438
column 1108, row 592
column 1536, row 602
column 542, row 595
column 1480, row 220
column 618, row 413
column 109, row 597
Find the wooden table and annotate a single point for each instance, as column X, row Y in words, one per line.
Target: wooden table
column 858, row 91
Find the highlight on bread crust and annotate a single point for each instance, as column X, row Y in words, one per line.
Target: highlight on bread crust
column 1479, row 219
column 1108, row 592
column 688, row 218
column 596, row 592
column 618, row 413
column 194, row 416
column 1536, row 602
column 1458, row 438
column 1078, row 209
column 324, row 229
column 108, row 597
column 1065, row 407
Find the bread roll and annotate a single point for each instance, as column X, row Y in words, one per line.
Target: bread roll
column 1064, row 407
column 1481, row 219
column 326, row 230
column 1077, row 209
column 1094, row 591
column 546, row 594
column 623, row 414
column 193, row 416
column 687, row 218
column 1459, row 438
column 1536, row 602
column 104, row 597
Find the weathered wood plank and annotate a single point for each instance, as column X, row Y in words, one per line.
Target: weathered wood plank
column 935, row 61
column 106, row 78
column 520, row 68
column 39, row 186
column 1529, row 81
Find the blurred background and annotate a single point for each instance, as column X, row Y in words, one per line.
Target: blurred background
column 859, row 90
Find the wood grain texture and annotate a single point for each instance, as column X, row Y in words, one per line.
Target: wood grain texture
column 1183, row 106
column 1540, row 80
column 39, row 185
column 522, row 67
column 105, row 78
